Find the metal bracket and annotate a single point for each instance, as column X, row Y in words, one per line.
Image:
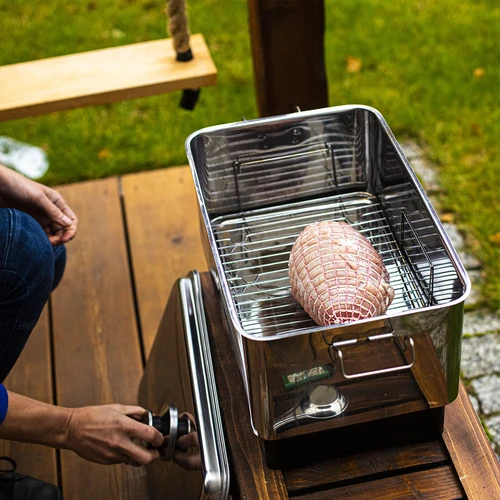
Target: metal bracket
column 335, row 351
column 252, row 160
column 429, row 290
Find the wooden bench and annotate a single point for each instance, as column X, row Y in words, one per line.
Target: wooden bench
column 402, row 457
column 101, row 76
column 138, row 234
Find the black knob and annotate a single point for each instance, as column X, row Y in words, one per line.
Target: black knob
column 171, row 425
column 185, row 426
column 162, row 423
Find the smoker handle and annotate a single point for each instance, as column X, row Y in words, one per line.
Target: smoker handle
column 337, row 346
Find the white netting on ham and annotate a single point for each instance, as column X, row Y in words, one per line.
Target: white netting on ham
column 337, row 276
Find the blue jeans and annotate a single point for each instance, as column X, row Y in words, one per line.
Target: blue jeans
column 30, row 268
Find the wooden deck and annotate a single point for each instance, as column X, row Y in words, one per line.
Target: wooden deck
column 137, row 235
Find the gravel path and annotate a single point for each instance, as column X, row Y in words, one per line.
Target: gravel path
column 481, row 334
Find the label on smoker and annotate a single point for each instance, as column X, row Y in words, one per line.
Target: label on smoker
column 293, row 380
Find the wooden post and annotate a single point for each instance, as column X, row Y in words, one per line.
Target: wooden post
column 288, row 55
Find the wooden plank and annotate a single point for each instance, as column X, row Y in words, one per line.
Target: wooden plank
column 434, row 484
column 162, row 221
column 474, row 459
column 369, row 462
column 287, row 46
column 32, row 377
column 101, row 76
column 255, row 480
column 96, row 342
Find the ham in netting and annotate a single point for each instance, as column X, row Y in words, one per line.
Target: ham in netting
column 336, row 274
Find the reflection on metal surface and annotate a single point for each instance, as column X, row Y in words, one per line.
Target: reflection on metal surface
column 324, row 401
column 296, row 379
column 180, row 370
column 173, row 415
column 319, row 402
column 335, row 348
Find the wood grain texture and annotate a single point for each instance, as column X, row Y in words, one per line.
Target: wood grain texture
column 163, row 225
column 254, row 479
column 348, row 467
column 434, row 484
column 287, row 46
column 96, row 341
column 101, row 76
column 32, row 377
column 471, row 452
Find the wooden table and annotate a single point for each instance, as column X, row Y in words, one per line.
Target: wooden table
column 403, row 457
column 138, row 234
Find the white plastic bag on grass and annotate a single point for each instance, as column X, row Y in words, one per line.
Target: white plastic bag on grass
column 27, row 159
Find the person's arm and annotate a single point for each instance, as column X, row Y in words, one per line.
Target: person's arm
column 102, row 434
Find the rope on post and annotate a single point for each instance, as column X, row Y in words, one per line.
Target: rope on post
column 177, row 27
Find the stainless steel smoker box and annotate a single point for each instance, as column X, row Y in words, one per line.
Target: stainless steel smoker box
column 259, row 183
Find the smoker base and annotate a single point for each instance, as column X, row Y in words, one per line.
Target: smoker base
column 401, row 431
column 377, row 462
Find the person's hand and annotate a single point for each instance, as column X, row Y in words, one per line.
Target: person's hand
column 105, row 435
column 187, row 453
column 44, row 204
column 187, row 450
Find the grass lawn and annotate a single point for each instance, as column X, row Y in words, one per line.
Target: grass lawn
column 430, row 67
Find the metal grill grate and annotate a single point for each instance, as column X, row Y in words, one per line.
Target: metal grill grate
column 254, row 247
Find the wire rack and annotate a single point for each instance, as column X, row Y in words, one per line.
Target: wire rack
column 259, row 167
column 254, row 247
